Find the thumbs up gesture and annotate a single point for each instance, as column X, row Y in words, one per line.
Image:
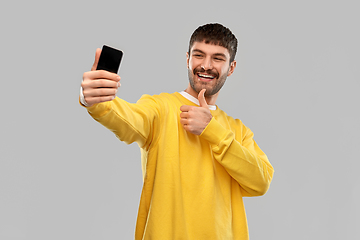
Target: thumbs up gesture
column 195, row 119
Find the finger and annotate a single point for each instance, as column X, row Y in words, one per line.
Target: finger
column 184, row 115
column 103, row 83
column 183, row 121
column 201, row 98
column 102, row 74
column 100, row 79
column 99, row 92
column 185, row 108
column 100, row 83
column 97, row 56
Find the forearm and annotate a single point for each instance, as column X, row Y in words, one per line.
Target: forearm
column 129, row 122
column 248, row 165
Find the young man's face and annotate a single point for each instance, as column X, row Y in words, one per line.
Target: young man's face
column 208, row 67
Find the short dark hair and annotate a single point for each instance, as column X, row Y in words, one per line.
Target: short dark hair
column 217, row 34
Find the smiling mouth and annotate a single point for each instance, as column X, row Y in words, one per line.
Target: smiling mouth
column 205, row 77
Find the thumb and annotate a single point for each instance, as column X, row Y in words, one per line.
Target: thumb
column 201, row 98
column 97, row 56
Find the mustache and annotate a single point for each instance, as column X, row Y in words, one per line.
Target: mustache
column 209, row 72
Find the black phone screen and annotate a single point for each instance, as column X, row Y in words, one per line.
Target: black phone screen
column 110, row 59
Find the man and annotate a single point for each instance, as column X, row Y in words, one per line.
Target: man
column 197, row 162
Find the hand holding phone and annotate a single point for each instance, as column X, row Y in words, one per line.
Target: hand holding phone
column 110, row 59
column 102, row 86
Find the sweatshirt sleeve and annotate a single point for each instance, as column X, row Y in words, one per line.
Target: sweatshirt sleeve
column 242, row 159
column 130, row 122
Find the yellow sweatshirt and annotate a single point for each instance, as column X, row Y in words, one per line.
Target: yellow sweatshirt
column 193, row 185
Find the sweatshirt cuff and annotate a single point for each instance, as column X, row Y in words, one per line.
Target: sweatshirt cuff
column 82, row 98
column 215, row 133
column 98, row 110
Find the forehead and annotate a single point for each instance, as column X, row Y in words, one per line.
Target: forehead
column 209, row 49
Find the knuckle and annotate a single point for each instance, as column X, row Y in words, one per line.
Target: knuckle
column 85, row 75
column 102, row 73
column 85, row 84
column 102, row 99
column 190, row 128
column 89, row 100
column 102, row 92
column 101, row 82
column 85, row 93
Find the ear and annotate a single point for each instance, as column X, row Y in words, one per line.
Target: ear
column 187, row 59
column 232, row 68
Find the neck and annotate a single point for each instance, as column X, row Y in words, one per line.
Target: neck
column 211, row 100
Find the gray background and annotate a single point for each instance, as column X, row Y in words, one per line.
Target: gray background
column 64, row 176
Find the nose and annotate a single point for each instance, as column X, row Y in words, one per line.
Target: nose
column 206, row 64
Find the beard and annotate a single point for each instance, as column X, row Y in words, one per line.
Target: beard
column 211, row 87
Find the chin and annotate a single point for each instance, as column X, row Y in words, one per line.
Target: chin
column 209, row 90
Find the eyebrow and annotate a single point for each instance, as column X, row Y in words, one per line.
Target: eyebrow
column 215, row 54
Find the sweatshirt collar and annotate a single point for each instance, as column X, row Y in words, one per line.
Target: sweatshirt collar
column 195, row 100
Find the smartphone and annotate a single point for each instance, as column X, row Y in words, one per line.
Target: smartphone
column 110, row 59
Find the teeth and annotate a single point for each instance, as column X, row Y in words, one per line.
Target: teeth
column 205, row 76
